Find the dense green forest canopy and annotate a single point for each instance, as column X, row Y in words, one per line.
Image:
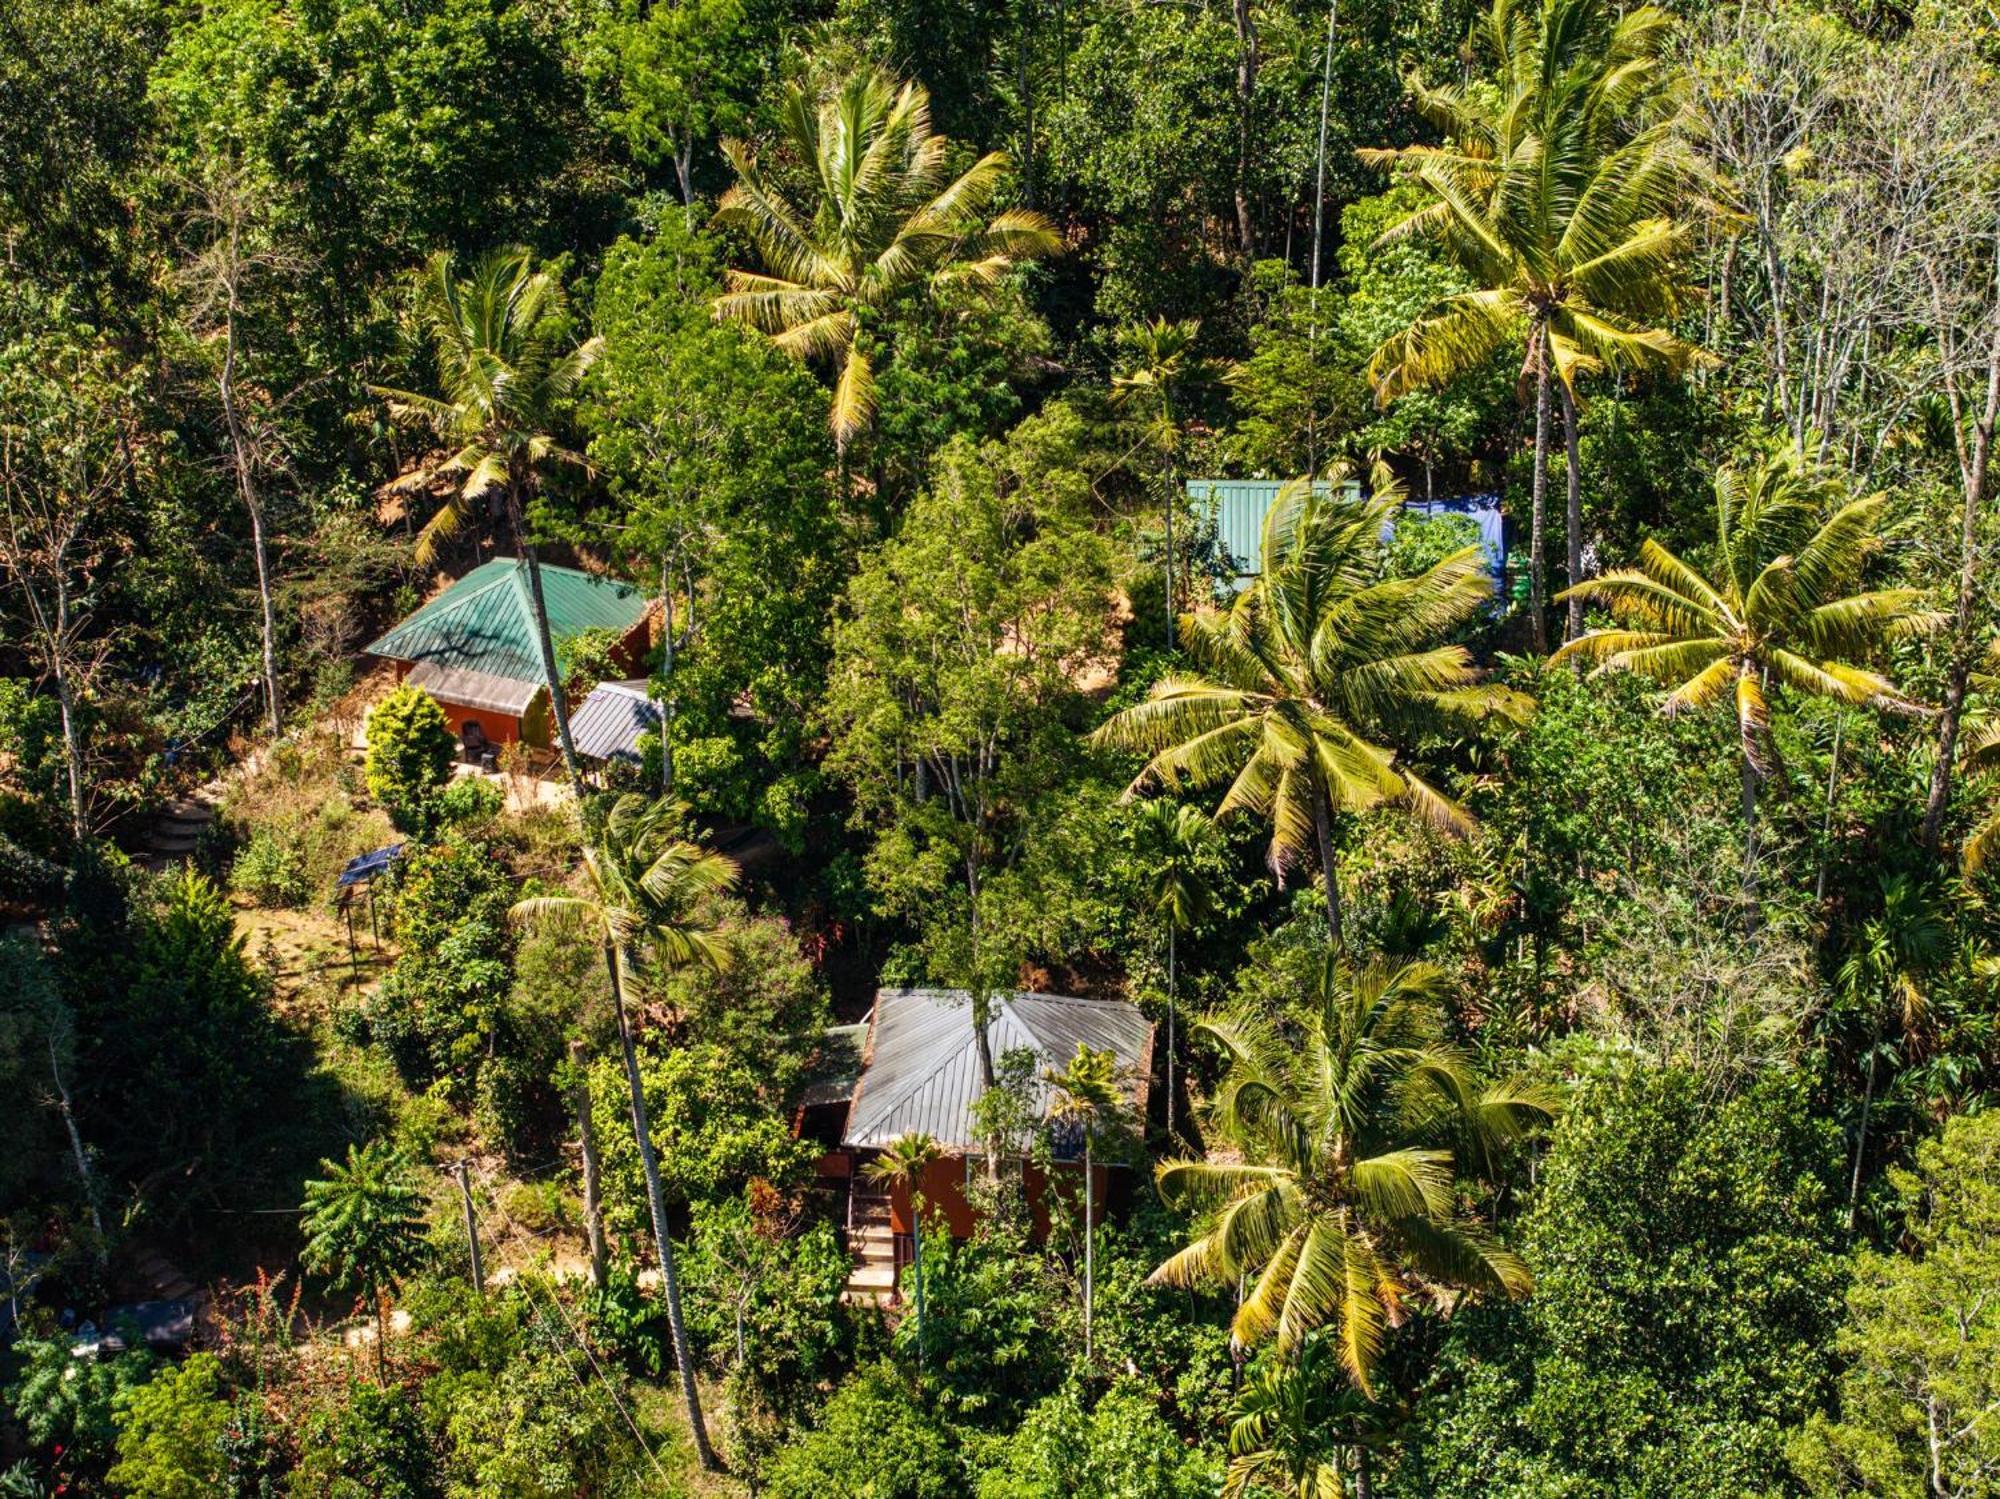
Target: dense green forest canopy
column 1572, row 963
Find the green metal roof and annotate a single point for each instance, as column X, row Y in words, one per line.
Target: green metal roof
column 485, row 621
column 1238, row 506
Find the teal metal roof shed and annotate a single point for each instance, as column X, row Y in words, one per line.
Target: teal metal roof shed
column 485, row 622
column 1238, row 506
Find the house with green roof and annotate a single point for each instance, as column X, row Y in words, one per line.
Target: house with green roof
column 473, row 647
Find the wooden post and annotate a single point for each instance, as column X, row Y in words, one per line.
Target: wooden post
column 471, row 1229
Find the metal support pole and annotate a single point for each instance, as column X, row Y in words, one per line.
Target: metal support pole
column 471, row 1228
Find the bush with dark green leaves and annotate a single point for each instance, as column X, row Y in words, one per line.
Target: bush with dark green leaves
column 1687, row 1254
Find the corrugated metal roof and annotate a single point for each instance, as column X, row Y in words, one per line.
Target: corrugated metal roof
column 485, row 621
column 839, row 1066
column 1239, row 505
column 923, row 1073
column 475, row 689
column 611, row 719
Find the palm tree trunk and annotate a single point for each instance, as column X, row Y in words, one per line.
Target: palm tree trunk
column 1329, row 865
column 1364, row 1480
column 1089, row 1246
column 593, row 1195
column 1170, row 1029
column 649, row 1164
column 1538, row 584
column 1573, row 515
column 1861, row 1132
column 1750, row 836
column 558, row 703
column 917, row 1269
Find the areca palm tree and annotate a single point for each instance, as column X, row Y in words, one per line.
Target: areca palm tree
column 1351, row 1129
column 364, row 1227
column 503, row 378
column 1299, row 683
column 1292, row 1424
column 1781, row 607
column 643, row 908
column 902, row 1163
column 1180, row 839
column 887, row 221
column 1558, row 195
column 1161, row 363
column 1085, row 1097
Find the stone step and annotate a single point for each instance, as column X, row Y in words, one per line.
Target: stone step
column 187, row 811
column 872, row 1277
column 172, row 844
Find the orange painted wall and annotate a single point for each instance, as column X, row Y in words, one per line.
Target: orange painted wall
column 944, row 1195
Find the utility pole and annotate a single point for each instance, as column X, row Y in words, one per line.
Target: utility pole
column 471, row 1228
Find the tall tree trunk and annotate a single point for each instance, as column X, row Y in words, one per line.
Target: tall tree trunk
column 72, row 734
column 558, row 702
column 593, row 1192
column 1329, row 863
column 77, row 1151
column 1246, row 93
column 1364, row 1479
column 381, row 1332
column 1573, row 514
column 1973, row 466
column 246, row 490
column 1319, row 168
column 1538, row 585
column 649, row 1164
column 1861, row 1132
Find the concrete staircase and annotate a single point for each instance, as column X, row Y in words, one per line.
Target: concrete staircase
column 871, row 1281
column 177, row 832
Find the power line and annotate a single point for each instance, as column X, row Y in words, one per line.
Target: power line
column 577, row 1338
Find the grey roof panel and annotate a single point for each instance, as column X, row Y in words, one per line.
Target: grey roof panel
column 923, row 1074
column 474, row 689
column 608, row 723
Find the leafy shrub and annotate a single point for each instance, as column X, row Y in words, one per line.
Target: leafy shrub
column 874, row 1440
column 1121, row 1449
column 539, row 1206
column 372, row 1446
column 170, row 1433
column 763, row 1295
column 71, row 1403
column 470, row 799
column 410, row 749
column 270, row 871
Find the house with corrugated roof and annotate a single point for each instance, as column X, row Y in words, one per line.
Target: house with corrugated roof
column 474, row 646
column 915, row 1068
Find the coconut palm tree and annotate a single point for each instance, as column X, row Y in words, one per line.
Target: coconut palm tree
column 503, row 378
column 645, row 887
column 1557, row 195
column 1298, row 683
column 1161, row 362
column 364, row 1227
column 902, row 1163
column 1349, row 1130
column 886, row 222
column 1981, row 751
column 1085, row 1097
column 1779, row 608
column 1181, row 840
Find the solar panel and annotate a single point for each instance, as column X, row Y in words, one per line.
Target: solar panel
column 364, row 867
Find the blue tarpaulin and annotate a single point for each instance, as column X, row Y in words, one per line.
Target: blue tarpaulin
column 363, row 868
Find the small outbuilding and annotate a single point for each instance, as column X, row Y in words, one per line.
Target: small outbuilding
column 918, row 1071
column 607, row 724
column 475, row 648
